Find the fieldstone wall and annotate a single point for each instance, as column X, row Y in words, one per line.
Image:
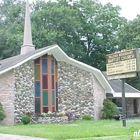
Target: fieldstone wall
column 7, row 96
column 129, row 107
column 75, row 90
column 50, row 120
column 99, row 96
column 24, row 90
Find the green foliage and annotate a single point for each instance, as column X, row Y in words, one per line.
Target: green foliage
column 26, row 120
column 85, row 130
column 128, row 38
column 109, row 109
column 85, row 30
column 86, row 117
column 2, row 113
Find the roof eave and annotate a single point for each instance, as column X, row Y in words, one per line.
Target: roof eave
column 60, row 55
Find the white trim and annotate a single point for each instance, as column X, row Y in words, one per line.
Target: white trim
column 127, row 95
column 60, row 55
column 23, row 61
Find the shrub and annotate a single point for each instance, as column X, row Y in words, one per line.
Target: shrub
column 86, row 117
column 2, row 113
column 26, row 120
column 109, row 109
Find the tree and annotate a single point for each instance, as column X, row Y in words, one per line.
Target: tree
column 11, row 27
column 59, row 24
column 129, row 35
column 84, row 29
column 128, row 38
column 100, row 24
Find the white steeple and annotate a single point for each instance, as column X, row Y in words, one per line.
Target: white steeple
column 27, row 41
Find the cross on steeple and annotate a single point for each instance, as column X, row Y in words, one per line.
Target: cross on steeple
column 27, row 40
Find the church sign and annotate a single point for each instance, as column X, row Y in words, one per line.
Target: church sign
column 122, row 64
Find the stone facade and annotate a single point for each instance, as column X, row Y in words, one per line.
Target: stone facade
column 24, row 90
column 7, row 96
column 77, row 90
column 50, row 120
column 99, row 96
column 129, row 106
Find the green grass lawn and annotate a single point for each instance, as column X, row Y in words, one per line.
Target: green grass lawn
column 85, row 130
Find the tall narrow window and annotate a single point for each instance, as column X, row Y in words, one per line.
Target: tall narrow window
column 52, row 66
column 53, row 98
column 44, row 65
column 45, row 81
column 37, row 89
column 37, row 105
column 46, row 84
column 45, row 98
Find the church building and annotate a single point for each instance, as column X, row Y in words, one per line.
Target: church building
column 38, row 81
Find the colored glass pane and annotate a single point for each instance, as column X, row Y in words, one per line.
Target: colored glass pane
column 53, row 98
column 44, row 65
column 45, row 56
column 52, row 66
column 52, row 81
column 56, row 73
column 37, row 89
column 53, row 109
column 45, row 81
column 55, row 62
column 37, row 61
column 56, row 89
column 45, row 109
column 37, row 72
column 56, row 104
column 45, row 98
column 37, row 105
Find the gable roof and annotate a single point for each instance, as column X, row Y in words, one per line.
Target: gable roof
column 116, row 85
column 60, row 55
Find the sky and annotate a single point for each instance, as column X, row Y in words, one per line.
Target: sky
column 130, row 8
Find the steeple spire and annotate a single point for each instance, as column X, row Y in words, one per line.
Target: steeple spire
column 27, row 41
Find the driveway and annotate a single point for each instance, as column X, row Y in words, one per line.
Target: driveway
column 17, row 137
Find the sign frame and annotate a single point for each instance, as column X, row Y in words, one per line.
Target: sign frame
column 133, row 66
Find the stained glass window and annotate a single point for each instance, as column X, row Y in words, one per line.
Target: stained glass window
column 37, row 105
column 45, row 109
column 37, row 61
column 53, row 98
column 44, row 56
column 56, row 89
column 53, row 109
column 37, row 89
column 45, row 98
column 44, row 65
column 37, row 72
column 52, row 66
column 52, row 81
column 45, row 81
column 46, row 84
column 56, row 104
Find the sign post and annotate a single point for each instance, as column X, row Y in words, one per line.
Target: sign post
column 123, row 103
column 121, row 65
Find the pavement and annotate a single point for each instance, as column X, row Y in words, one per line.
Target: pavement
column 17, row 137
